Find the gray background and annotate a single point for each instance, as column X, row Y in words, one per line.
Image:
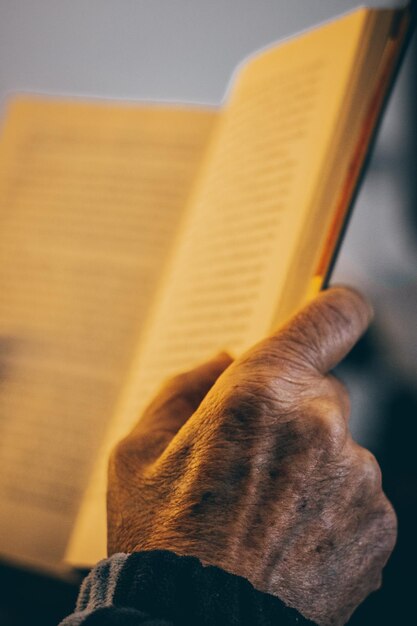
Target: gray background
column 173, row 49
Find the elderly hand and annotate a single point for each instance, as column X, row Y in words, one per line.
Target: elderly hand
column 250, row 467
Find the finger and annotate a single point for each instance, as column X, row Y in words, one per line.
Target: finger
column 320, row 335
column 341, row 394
column 180, row 397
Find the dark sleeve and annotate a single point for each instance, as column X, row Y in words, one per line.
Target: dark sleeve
column 159, row 588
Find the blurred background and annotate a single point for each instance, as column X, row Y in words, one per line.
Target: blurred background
column 186, row 51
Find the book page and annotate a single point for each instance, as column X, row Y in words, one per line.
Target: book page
column 90, row 199
column 244, row 221
column 329, row 208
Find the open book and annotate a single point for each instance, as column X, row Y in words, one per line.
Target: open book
column 138, row 240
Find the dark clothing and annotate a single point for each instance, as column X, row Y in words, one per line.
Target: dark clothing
column 159, row 588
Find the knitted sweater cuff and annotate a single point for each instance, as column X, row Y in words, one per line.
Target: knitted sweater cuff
column 160, row 588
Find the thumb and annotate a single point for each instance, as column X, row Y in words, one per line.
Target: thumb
column 320, row 335
column 180, row 397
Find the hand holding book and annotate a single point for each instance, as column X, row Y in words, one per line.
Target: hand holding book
column 251, row 467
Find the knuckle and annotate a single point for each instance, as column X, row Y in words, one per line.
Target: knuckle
column 340, row 393
column 325, row 419
column 176, row 384
column 121, row 451
column 116, row 459
column 297, row 349
column 129, row 454
column 390, row 519
column 311, row 336
column 177, row 395
column 277, row 375
column 369, row 469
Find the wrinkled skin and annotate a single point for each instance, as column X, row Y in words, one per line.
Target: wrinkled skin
column 250, row 466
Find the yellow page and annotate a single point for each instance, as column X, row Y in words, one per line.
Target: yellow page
column 338, row 177
column 90, row 197
column 242, row 227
